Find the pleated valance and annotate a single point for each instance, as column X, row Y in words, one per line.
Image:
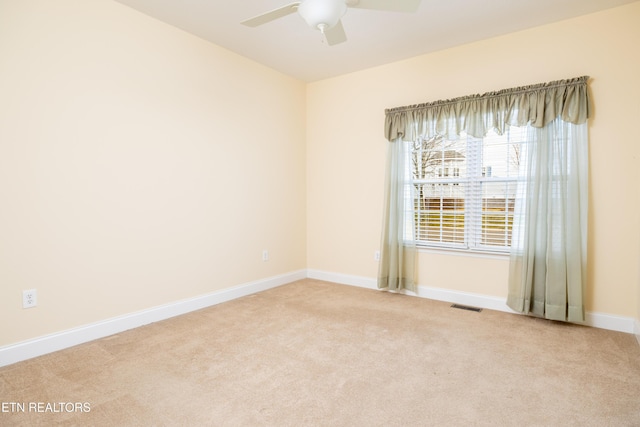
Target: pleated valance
column 535, row 105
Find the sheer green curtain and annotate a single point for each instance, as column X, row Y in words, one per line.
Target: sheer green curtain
column 549, row 242
column 548, row 251
column 398, row 249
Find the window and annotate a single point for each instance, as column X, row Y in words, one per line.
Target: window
column 463, row 190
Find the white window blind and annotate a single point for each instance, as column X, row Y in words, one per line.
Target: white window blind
column 463, row 190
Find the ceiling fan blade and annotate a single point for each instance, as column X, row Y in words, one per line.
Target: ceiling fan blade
column 272, row 15
column 390, row 5
column 335, row 34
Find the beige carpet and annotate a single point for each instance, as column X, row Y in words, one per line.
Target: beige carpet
column 313, row 353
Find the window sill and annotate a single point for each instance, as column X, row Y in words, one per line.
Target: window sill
column 463, row 252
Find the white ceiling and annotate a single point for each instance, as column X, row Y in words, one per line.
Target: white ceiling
column 374, row 37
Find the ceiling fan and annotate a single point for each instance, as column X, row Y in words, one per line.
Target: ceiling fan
column 325, row 15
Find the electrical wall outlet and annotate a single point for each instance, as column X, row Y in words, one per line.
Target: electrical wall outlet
column 265, row 255
column 29, row 298
column 376, row 256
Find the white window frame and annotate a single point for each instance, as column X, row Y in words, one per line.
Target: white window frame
column 472, row 182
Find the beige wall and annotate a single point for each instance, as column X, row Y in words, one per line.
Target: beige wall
column 139, row 165
column 346, row 149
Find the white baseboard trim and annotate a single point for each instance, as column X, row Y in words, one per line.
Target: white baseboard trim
column 610, row 322
column 343, row 279
column 596, row 320
column 60, row 340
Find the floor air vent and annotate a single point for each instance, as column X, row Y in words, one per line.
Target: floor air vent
column 466, row 307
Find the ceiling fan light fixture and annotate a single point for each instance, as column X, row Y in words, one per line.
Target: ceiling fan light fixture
column 322, row 14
